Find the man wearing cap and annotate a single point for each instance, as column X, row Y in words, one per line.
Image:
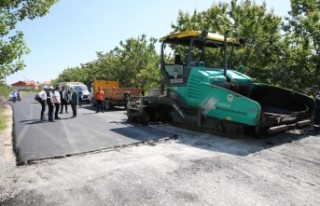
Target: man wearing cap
column 42, row 98
column 57, row 101
column 316, row 95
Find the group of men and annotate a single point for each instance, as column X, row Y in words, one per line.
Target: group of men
column 56, row 99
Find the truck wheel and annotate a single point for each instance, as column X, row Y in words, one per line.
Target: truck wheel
column 145, row 119
column 126, row 105
column 130, row 119
column 93, row 103
column 107, row 104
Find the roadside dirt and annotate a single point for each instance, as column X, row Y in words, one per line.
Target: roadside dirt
column 7, row 160
column 195, row 169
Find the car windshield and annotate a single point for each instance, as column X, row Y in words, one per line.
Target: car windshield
column 82, row 87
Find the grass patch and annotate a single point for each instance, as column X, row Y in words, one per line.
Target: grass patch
column 5, row 90
column 4, row 94
column 3, row 124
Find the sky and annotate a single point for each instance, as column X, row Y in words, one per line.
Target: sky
column 75, row 30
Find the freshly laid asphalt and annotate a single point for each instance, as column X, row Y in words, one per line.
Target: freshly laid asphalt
column 89, row 131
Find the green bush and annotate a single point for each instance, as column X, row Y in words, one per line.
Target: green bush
column 5, row 90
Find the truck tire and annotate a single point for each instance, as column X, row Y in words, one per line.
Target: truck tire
column 131, row 119
column 126, row 104
column 93, row 102
column 145, row 118
column 107, row 104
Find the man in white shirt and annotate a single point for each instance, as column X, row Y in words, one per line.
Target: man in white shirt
column 42, row 101
column 56, row 101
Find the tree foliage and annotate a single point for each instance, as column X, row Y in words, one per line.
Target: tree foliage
column 302, row 38
column 247, row 20
column 134, row 63
column 12, row 46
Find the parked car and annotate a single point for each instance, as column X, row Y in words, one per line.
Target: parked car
column 15, row 96
column 77, row 86
column 11, row 96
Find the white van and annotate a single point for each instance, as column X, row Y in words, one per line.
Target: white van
column 77, row 86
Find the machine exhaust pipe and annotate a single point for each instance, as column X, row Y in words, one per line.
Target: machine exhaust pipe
column 225, row 63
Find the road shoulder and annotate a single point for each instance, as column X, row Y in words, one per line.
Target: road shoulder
column 7, row 160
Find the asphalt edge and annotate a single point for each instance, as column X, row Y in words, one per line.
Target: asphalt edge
column 10, row 127
column 108, row 149
column 13, row 135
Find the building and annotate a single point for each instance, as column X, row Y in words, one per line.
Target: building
column 25, row 85
column 46, row 83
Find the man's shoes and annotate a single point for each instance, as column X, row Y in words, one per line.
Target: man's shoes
column 97, row 111
column 60, row 112
column 56, row 118
column 51, row 120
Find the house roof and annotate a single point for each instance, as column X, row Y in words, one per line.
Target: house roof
column 25, row 83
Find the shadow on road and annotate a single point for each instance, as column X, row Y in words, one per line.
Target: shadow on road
column 142, row 133
column 30, row 120
column 93, row 108
column 38, row 121
column 240, row 147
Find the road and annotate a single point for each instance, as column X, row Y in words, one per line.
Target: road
column 38, row 140
column 194, row 169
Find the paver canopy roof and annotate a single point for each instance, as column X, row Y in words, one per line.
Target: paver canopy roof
column 204, row 39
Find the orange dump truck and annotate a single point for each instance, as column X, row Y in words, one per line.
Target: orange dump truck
column 114, row 94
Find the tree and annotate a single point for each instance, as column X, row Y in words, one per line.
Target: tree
column 248, row 20
column 302, row 29
column 134, row 63
column 12, row 46
column 137, row 62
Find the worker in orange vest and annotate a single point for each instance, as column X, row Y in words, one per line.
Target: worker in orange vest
column 100, row 98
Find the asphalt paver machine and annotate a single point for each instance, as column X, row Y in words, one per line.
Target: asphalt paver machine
column 198, row 94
